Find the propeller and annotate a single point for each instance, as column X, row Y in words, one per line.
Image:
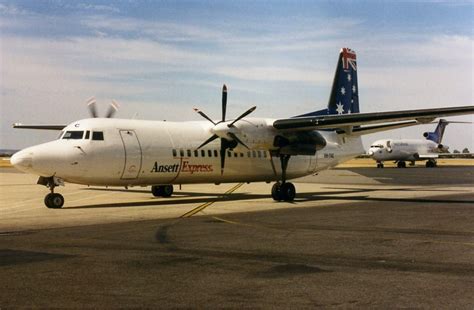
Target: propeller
column 225, row 131
column 91, row 104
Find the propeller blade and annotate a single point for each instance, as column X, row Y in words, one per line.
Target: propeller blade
column 224, row 102
column 204, row 115
column 242, row 116
column 214, row 137
column 231, row 134
column 112, row 109
column 222, row 153
column 91, row 106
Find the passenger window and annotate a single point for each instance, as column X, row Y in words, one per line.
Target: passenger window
column 203, row 153
column 265, row 154
column 235, row 154
column 229, row 154
column 97, row 135
column 73, row 135
column 87, row 135
column 259, row 154
column 209, row 153
column 248, row 154
column 216, row 154
column 189, row 153
column 196, row 153
column 254, row 154
column 241, row 154
column 175, row 153
column 181, row 153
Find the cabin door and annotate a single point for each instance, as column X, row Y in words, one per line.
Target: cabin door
column 133, row 154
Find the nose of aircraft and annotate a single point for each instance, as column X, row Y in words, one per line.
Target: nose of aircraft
column 370, row 152
column 22, row 160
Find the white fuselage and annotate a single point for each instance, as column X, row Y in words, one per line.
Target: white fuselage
column 137, row 152
column 402, row 150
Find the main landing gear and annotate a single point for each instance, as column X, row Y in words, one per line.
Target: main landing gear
column 52, row 200
column 379, row 164
column 401, row 164
column 283, row 191
column 162, row 190
column 431, row 163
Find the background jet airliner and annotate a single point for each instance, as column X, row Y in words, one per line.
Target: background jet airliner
column 402, row 150
column 124, row 152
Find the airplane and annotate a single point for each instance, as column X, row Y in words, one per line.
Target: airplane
column 129, row 152
column 402, row 150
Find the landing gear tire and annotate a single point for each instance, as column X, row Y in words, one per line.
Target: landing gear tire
column 162, row 190
column 430, row 164
column 283, row 192
column 379, row 165
column 167, row 190
column 54, row 201
column 401, row 164
column 276, row 189
column 287, row 192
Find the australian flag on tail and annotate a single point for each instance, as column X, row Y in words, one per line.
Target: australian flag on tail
column 344, row 98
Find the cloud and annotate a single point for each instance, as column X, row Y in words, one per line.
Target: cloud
column 163, row 69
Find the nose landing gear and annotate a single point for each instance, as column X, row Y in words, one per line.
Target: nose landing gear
column 52, row 200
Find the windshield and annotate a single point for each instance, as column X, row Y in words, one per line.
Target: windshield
column 73, row 135
column 377, row 145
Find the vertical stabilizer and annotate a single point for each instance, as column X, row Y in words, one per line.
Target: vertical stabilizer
column 437, row 135
column 344, row 97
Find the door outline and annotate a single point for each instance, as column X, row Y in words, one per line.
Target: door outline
column 128, row 174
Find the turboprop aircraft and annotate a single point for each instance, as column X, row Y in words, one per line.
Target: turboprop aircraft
column 402, row 150
column 129, row 152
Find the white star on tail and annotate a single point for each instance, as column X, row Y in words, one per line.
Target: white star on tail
column 349, row 77
column 343, row 90
column 340, row 108
column 353, row 88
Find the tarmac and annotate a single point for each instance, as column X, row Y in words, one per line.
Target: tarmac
column 355, row 237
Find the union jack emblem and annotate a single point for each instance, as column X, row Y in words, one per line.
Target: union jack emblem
column 348, row 58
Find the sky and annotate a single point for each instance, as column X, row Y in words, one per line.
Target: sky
column 160, row 59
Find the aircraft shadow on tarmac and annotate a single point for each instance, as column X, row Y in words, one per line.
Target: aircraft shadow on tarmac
column 199, row 198
column 460, row 175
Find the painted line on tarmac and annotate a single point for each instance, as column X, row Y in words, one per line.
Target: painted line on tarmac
column 207, row 204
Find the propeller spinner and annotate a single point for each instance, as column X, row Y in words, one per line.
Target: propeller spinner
column 226, row 132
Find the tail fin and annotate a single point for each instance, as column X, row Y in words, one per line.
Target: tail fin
column 437, row 135
column 344, row 98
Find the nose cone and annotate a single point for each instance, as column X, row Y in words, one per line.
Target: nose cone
column 22, row 160
column 370, row 152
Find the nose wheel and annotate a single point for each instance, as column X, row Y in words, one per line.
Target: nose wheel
column 54, row 201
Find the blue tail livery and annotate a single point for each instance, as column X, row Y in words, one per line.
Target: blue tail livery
column 344, row 97
column 437, row 135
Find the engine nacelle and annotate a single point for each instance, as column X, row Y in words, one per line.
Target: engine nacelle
column 300, row 143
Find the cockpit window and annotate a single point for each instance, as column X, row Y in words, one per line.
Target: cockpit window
column 377, row 146
column 87, row 135
column 73, row 135
column 97, row 135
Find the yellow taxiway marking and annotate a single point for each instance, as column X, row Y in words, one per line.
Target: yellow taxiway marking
column 207, row 204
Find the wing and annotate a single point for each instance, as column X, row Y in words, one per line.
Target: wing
column 43, row 127
column 346, row 122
